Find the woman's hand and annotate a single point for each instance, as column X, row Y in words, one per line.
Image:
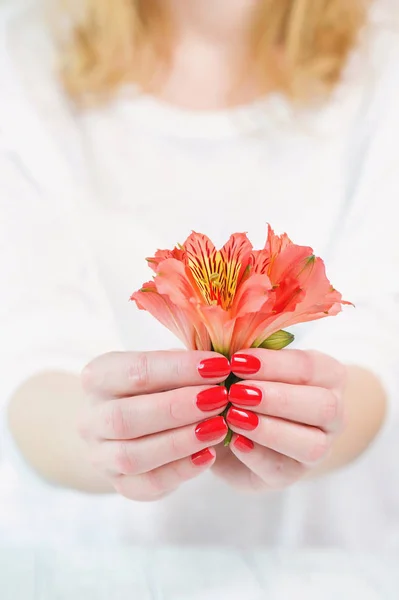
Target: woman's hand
column 151, row 420
column 285, row 416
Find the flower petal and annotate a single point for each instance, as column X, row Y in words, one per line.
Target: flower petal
column 193, row 335
column 173, row 280
column 260, row 261
column 275, row 244
column 236, row 256
column 162, row 255
column 317, row 300
column 219, row 326
column 247, row 326
column 217, row 274
column 251, row 295
column 204, row 263
column 290, row 262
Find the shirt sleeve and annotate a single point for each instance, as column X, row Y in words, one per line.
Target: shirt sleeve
column 363, row 263
column 54, row 313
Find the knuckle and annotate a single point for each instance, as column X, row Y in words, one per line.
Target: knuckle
column 256, row 483
column 93, row 375
column 83, row 427
column 174, row 408
column 134, row 488
column 180, row 476
column 329, row 409
column 178, row 366
column 154, row 484
column 281, row 476
column 116, row 421
column 306, row 367
column 277, row 479
column 278, row 468
column 125, row 462
column 119, row 485
column 138, row 372
column 319, row 447
column 176, row 445
column 272, row 432
column 87, row 378
column 281, row 397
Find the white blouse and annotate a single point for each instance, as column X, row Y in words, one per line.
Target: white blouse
column 85, row 197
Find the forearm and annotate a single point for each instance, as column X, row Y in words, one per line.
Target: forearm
column 365, row 410
column 43, row 418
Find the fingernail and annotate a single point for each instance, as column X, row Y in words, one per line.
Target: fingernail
column 245, row 364
column 214, row 367
column 213, row 398
column 202, row 457
column 243, row 444
column 243, row 419
column 245, row 395
column 211, row 429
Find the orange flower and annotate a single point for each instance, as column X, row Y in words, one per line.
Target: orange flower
column 236, row 297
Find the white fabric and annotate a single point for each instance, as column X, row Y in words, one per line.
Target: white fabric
column 171, row 573
column 85, row 197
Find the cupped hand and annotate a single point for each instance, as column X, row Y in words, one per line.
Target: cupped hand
column 152, row 418
column 285, row 416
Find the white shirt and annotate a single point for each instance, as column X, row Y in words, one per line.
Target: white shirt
column 85, row 197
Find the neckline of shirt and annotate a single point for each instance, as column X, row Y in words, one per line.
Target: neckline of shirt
column 154, row 115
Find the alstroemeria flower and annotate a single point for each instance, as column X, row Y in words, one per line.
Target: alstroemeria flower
column 237, row 297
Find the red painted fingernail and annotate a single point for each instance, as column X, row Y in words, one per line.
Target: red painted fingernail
column 213, row 398
column 243, row 419
column 203, row 457
column 245, row 364
column 211, row 429
column 243, row 444
column 214, row 367
column 245, row 395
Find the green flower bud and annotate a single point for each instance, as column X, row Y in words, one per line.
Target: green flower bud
column 277, row 341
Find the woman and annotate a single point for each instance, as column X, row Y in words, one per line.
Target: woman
column 168, row 116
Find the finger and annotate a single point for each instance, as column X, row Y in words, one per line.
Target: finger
column 162, row 481
column 268, row 466
column 131, row 418
column 148, row 453
column 305, row 444
column 297, row 367
column 235, row 473
column 120, row 374
column 316, row 406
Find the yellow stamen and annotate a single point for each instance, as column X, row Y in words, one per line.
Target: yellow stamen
column 215, row 274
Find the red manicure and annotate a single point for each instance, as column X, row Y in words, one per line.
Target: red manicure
column 203, row 457
column 245, row 364
column 212, row 398
column 245, row 395
column 211, row 429
column 214, row 367
column 243, row 419
column 243, row 444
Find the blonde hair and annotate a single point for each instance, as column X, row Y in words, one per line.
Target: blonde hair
column 299, row 47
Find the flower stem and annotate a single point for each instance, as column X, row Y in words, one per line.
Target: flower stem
column 228, row 383
column 228, row 437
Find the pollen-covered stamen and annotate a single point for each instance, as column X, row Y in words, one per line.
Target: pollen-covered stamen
column 217, row 273
column 215, row 280
column 218, row 287
column 206, row 267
